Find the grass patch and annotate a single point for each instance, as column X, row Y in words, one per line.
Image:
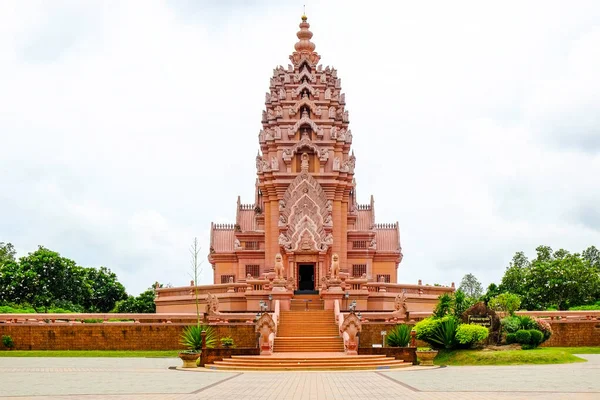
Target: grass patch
column 90, row 353
column 542, row 355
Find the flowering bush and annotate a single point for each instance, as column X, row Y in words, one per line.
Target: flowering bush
column 544, row 327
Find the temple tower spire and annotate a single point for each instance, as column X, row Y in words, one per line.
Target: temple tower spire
column 304, row 34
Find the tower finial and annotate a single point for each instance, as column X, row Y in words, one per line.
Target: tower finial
column 304, row 34
column 304, row 12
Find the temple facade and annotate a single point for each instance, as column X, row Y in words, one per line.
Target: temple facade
column 304, row 238
column 305, row 204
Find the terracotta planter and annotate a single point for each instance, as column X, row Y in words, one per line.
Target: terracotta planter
column 189, row 359
column 426, row 357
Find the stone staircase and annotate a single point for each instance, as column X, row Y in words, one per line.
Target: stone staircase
column 308, row 331
column 307, row 339
column 308, row 362
column 306, row 302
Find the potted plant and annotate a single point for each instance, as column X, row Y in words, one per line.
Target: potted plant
column 191, row 338
column 426, row 355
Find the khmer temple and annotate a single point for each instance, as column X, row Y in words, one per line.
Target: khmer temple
column 304, row 238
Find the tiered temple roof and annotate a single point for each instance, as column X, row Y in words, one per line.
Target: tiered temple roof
column 305, row 200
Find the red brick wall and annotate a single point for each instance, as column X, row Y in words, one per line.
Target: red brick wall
column 166, row 336
column 114, row 336
column 574, row 333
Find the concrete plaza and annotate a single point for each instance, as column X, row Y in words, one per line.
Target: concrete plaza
column 152, row 378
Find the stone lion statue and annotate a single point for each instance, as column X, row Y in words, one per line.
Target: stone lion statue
column 335, row 266
column 278, row 267
column 212, row 304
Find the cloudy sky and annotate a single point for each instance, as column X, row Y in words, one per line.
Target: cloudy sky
column 126, row 127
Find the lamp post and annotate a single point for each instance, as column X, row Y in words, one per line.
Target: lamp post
column 383, row 333
column 270, row 302
column 346, row 297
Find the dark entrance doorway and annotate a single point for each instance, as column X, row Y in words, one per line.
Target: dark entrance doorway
column 306, row 277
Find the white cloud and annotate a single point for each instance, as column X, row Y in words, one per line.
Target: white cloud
column 126, row 127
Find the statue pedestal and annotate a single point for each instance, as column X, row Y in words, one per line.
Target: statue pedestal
column 279, row 284
column 331, row 295
column 283, row 295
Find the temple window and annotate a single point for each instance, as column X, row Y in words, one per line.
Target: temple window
column 383, row 278
column 251, row 246
column 253, row 270
column 227, row 278
column 359, row 244
column 358, row 270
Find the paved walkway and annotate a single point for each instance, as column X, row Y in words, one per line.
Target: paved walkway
column 151, row 378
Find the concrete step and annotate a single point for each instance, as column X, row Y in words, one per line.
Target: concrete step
column 316, row 357
column 307, row 363
column 310, row 362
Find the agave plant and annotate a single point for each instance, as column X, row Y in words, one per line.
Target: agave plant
column 191, row 337
column 399, row 336
column 444, row 335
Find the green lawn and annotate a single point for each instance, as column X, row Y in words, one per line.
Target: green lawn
column 542, row 355
column 89, row 353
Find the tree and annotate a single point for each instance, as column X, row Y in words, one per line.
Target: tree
column 461, row 303
column 507, row 302
column 144, row 303
column 515, row 275
column 553, row 278
column 563, row 280
column 471, row 286
column 492, row 291
column 103, row 290
column 45, row 278
column 7, row 253
column 10, row 278
column 592, row 255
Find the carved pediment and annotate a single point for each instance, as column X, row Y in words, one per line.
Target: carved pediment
column 312, row 58
column 304, row 73
column 306, row 102
column 305, row 85
column 310, row 122
column 306, row 210
column 305, row 142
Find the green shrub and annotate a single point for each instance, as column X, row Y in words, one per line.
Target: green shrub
column 191, row 337
column 469, row 334
column 425, row 328
column 526, row 322
column 444, row 305
column 523, row 336
column 536, row 337
column 399, row 336
column 227, row 342
column 510, row 324
column 511, row 338
column 8, row 342
column 589, row 307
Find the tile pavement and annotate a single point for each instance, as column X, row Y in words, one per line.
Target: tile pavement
column 151, row 378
